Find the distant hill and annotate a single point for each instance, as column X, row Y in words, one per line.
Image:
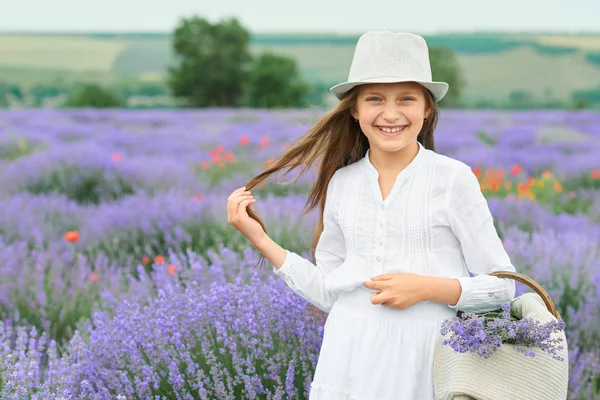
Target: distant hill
column 494, row 65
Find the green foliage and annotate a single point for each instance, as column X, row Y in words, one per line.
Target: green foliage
column 477, row 44
column 16, row 148
column 594, row 58
column 137, row 88
column 9, row 89
column 216, row 69
column 64, row 308
column 552, row 50
column 473, row 44
column 294, row 39
column 85, row 186
column 316, row 95
column 445, row 68
column 585, row 98
column 42, row 91
column 486, row 139
column 217, row 173
column 459, row 43
column 92, row 95
column 521, row 99
column 274, row 82
column 213, row 62
column 38, row 86
column 585, row 181
column 573, row 206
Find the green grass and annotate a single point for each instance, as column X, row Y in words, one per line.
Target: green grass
column 15, row 148
column 27, row 77
column 513, row 60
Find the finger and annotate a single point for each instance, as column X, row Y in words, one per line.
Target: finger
column 377, row 298
column 242, row 197
column 238, row 191
column 244, row 204
column 243, row 212
column 233, row 204
column 235, row 207
column 372, row 285
column 383, row 277
column 236, row 202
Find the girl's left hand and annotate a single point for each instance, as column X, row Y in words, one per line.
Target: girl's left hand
column 398, row 290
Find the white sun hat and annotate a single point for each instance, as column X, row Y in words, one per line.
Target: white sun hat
column 387, row 57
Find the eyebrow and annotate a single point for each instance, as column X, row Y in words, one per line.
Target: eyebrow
column 400, row 94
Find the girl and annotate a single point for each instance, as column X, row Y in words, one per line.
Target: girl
column 400, row 229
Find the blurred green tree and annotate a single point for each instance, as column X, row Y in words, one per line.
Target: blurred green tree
column 585, row 98
column 213, row 62
column 274, row 82
column 445, row 68
column 94, row 96
column 521, row 99
column 9, row 90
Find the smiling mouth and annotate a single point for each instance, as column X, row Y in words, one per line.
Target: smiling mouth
column 391, row 130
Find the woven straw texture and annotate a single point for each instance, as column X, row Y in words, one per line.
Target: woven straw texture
column 506, row 375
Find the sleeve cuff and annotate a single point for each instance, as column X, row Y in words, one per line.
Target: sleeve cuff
column 464, row 284
column 285, row 266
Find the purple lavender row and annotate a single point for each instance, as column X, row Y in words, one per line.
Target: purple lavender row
column 206, row 333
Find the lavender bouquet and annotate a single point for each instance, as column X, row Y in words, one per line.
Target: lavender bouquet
column 484, row 333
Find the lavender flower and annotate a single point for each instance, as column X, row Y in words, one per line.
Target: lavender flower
column 484, row 333
column 145, row 191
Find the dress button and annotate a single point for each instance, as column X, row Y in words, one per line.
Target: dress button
column 378, row 258
column 381, row 224
column 383, row 207
column 381, row 243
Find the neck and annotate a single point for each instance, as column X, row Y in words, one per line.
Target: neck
column 392, row 163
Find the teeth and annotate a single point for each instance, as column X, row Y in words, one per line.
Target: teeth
column 391, row 130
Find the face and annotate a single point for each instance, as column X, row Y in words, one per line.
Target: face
column 391, row 114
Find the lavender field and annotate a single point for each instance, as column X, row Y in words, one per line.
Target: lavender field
column 121, row 279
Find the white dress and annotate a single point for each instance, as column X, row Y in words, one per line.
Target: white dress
column 434, row 214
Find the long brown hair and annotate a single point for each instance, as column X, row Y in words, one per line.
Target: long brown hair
column 333, row 142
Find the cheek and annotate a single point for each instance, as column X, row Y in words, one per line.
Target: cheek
column 416, row 117
column 366, row 121
column 368, row 115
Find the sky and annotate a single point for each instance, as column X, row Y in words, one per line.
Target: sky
column 326, row 16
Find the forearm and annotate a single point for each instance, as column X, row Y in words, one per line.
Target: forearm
column 441, row 290
column 302, row 276
column 271, row 250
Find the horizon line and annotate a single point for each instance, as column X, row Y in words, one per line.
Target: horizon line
column 316, row 32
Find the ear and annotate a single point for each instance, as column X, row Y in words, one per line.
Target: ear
column 354, row 114
column 427, row 113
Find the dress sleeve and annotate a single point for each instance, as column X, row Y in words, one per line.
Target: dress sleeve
column 307, row 279
column 472, row 223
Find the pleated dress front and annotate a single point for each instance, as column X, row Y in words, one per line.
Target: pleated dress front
column 434, row 222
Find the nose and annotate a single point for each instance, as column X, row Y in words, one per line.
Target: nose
column 390, row 112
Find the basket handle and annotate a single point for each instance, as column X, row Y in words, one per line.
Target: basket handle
column 532, row 284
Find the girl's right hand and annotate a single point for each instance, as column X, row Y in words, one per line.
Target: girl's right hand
column 238, row 217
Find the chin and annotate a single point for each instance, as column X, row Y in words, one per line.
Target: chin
column 394, row 146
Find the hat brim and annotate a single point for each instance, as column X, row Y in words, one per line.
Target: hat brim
column 437, row 89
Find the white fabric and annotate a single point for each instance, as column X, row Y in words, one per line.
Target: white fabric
column 433, row 215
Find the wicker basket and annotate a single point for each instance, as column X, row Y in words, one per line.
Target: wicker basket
column 508, row 374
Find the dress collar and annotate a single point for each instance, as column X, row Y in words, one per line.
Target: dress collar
column 407, row 171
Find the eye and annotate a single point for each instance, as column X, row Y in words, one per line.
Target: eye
column 376, row 98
